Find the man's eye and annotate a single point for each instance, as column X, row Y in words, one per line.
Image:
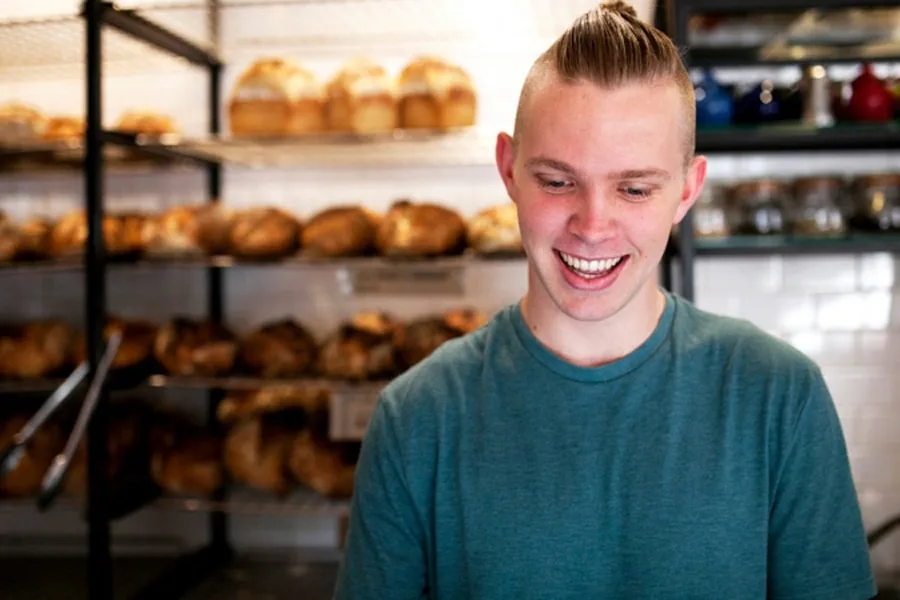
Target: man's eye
column 553, row 185
column 636, row 192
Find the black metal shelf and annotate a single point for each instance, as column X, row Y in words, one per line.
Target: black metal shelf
column 132, row 23
column 793, row 138
column 788, row 246
column 752, row 56
column 767, row 6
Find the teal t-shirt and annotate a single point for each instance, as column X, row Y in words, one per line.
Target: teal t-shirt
column 708, row 463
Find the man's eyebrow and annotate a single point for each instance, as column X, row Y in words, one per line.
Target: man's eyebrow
column 563, row 167
column 648, row 173
column 556, row 165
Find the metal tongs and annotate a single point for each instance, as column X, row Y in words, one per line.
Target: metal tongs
column 52, row 483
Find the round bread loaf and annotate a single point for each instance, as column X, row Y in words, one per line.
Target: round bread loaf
column 282, row 348
column 419, row 230
column 361, row 349
column 340, row 231
column 195, row 348
column 328, row 468
column 495, row 231
column 264, row 233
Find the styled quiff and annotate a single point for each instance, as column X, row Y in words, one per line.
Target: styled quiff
column 610, row 47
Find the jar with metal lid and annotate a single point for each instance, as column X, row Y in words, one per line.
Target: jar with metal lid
column 760, row 207
column 816, row 210
column 709, row 212
column 876, row 202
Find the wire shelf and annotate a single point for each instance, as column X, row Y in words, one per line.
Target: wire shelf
column 54, row 46
column 245, row 501
column 465, row 146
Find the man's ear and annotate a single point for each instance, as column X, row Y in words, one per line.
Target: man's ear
column 505, row 155
column 693, row 185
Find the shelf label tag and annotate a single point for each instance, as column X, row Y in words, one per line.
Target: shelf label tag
column 351, row 411
column 404, row 280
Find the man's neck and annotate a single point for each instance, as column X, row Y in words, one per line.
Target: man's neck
column 596, row 343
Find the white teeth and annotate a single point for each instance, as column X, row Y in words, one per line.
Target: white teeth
column 592, row 267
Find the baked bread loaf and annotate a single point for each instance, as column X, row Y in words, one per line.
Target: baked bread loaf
column 362, row 98
column 35, row 350
column 26, row 478
column 172, row 233
column 264, row 233
column 281, row 348
column 21, row 123
column 311, row 400
column 361, row 349
column 423, row 336
column 420, row 230
column 435, row 94
column 124, row 443
column 188, row 347
column 340, row 231
column 257, row 452
column 35, row 237
column 192, row 465
column 495, row 231
column 188, row 230
column 276, row 97
column 135, row 348
column 64, row 129
column 328, row 468
column 9, row 238
column 146, row 122
column 122, row 235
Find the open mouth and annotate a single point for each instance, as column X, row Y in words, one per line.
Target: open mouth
column 591, row 268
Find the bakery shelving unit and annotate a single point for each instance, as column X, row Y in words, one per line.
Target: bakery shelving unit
column 786, row 137
column 100, row 16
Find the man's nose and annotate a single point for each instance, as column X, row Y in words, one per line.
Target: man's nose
column 594, row 218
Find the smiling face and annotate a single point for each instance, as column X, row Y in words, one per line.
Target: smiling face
column 599, row 178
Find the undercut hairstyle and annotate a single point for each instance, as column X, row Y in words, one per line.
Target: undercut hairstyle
column 610, row 46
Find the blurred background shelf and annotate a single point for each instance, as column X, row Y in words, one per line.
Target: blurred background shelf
column 789, row 137
column 762, row 245
column 53, row 45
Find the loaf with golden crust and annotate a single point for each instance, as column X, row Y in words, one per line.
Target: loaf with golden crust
column 419, row 230
column 282, row 348
column 264, row 233
column 277, row 97
column 189, row 347
column 362, row 98
column 436, row 94
column 340, row 231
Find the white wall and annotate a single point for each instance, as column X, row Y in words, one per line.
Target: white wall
column 841, row 310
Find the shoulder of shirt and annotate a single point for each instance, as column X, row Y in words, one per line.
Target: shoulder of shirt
column 739, row 341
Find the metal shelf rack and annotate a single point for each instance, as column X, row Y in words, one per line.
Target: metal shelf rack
column 770, row 139
column 100, row 16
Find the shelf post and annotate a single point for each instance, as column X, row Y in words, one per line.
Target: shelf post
column 218, row 520
column 100, row 572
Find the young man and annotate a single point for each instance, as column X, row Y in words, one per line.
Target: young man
column 603, row 438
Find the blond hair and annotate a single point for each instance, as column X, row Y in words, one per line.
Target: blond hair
column 610, row 47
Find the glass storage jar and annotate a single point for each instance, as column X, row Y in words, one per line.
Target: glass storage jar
column 710, row 212
column 816, row 209
column 759, row 207
column 876, row 202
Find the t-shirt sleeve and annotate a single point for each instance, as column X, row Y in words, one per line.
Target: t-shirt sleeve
column 384, row 554
column 817, row 544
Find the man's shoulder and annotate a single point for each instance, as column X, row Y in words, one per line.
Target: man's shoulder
column 738, row 342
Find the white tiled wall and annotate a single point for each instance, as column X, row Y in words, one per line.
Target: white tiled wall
column 842, row 310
